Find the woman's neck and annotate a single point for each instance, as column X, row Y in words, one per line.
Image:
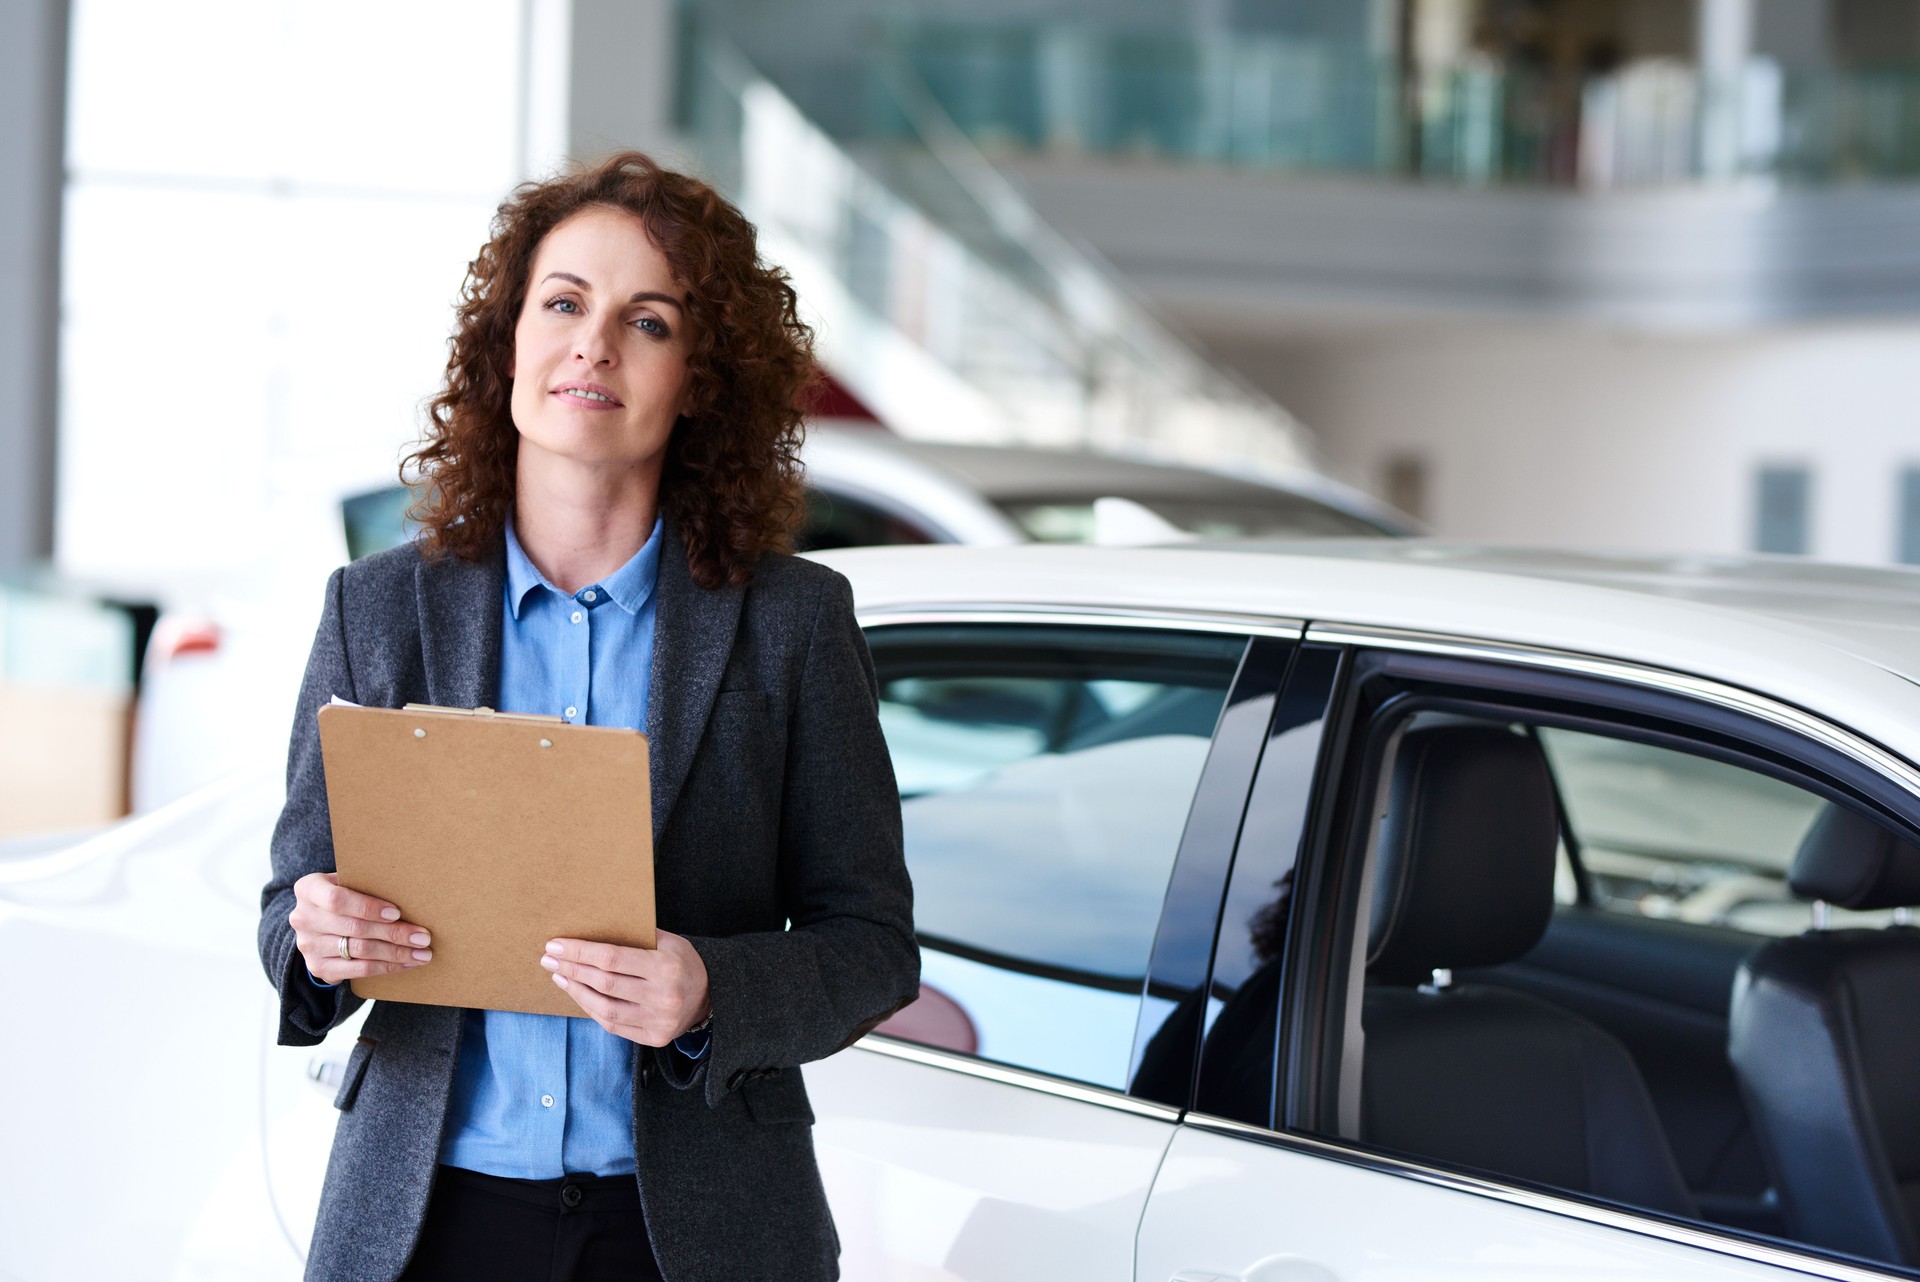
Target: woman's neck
column 577, row 525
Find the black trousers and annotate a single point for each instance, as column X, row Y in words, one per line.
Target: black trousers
column 579, row 1228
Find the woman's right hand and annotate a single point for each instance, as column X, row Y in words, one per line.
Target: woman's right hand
column 377, row 941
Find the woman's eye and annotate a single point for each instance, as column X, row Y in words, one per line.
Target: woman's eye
column 565, row 306
column 652, row 326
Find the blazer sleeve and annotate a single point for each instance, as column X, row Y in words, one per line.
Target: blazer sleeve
column 848, row 958
column 303, row 838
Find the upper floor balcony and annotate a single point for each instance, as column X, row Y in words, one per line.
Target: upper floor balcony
column 1289, row 106
column 1255, row 173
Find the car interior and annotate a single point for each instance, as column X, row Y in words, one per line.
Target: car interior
column 1512, row 1024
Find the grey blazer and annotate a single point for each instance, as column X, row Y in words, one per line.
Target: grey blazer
column 777, row 852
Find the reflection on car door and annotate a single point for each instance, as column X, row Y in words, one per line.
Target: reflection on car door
column 1047, row 777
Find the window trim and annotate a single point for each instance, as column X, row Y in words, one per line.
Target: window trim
column 1798, row 721
column 1305, row 1048
column 1080, row 617
column 1308, row 695
column 1209, row 847
column 1011, row 1075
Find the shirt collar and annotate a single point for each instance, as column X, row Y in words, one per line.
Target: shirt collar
column 632, row 583
column 627, row 587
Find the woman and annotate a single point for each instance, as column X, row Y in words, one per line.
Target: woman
column 611, row 478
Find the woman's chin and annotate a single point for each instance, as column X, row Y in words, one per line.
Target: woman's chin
column 581, row 451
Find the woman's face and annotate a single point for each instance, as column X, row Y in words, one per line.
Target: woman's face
column 600, row 350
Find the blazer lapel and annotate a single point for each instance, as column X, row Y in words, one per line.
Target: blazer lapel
column 460, row 604
column 692, row 638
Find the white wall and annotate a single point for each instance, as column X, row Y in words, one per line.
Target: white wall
column 269, row 210
column 1560, row 435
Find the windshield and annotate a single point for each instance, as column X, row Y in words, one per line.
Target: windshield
column 1070, row 518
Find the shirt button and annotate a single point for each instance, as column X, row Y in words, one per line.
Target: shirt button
column 572, row 713
column 577, row 616
column 589, row 597
column 546, row 1101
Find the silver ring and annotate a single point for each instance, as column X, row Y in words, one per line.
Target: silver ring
column 346, row 953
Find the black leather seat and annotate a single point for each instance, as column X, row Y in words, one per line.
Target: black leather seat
column 1472, row 1074
column 1825, row 1039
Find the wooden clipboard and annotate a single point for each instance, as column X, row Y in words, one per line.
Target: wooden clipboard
column 497, row 832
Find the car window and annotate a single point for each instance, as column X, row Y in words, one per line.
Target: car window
column 1045, row 777
column 378, row 520
column 1279, row 515
column 1662, row 833
column 842, row 521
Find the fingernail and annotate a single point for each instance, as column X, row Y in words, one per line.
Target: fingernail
column 550, row 963
column 422, row 954
column 421, row 938
column 389, row 914
column 555, row 948
column 560, row 980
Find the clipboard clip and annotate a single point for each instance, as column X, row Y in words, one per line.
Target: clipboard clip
column 485, row 712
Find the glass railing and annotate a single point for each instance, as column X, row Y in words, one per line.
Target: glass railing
column 1274, row 103
column 944, row 303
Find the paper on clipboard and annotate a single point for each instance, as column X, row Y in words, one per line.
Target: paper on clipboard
column 496, row 832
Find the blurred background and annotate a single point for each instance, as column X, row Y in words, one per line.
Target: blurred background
column 1637, row 275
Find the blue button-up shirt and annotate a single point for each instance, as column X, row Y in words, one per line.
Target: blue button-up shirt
column 539, row 1096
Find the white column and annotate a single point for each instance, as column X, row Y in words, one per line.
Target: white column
column 621, row 79
column 546, row 77
column 33, row 92
column 1442, row 32
column 1724, row 43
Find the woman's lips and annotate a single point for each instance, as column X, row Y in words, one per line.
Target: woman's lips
column 571, row 398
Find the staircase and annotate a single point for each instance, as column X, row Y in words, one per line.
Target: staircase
column 946, row 305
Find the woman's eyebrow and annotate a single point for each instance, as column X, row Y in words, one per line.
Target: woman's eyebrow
column 644, row 296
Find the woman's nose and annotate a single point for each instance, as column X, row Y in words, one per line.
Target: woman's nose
column 595, row 346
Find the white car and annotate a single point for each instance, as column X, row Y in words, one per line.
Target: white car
column 213, row 667
column 1356, row 911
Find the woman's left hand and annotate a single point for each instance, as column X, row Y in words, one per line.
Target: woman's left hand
column 646, row 995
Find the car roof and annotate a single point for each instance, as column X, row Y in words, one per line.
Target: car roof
column 1016, row 473
column 1006, row 472
column 1841, row 639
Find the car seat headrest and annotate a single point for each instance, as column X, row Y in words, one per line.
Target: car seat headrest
column 1848, row 860
column 1466, row 852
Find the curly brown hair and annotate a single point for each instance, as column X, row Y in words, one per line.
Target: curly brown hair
column 732, row 479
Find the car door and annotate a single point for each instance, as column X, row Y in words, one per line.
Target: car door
column 1071, row 786
column 1277, row 1174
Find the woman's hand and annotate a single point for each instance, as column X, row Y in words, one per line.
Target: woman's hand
column 329, row 920
column 646, row 995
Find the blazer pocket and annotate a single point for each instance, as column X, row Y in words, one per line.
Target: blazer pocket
column 356, row 1069
column 779, row 1098
column 744, row 719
